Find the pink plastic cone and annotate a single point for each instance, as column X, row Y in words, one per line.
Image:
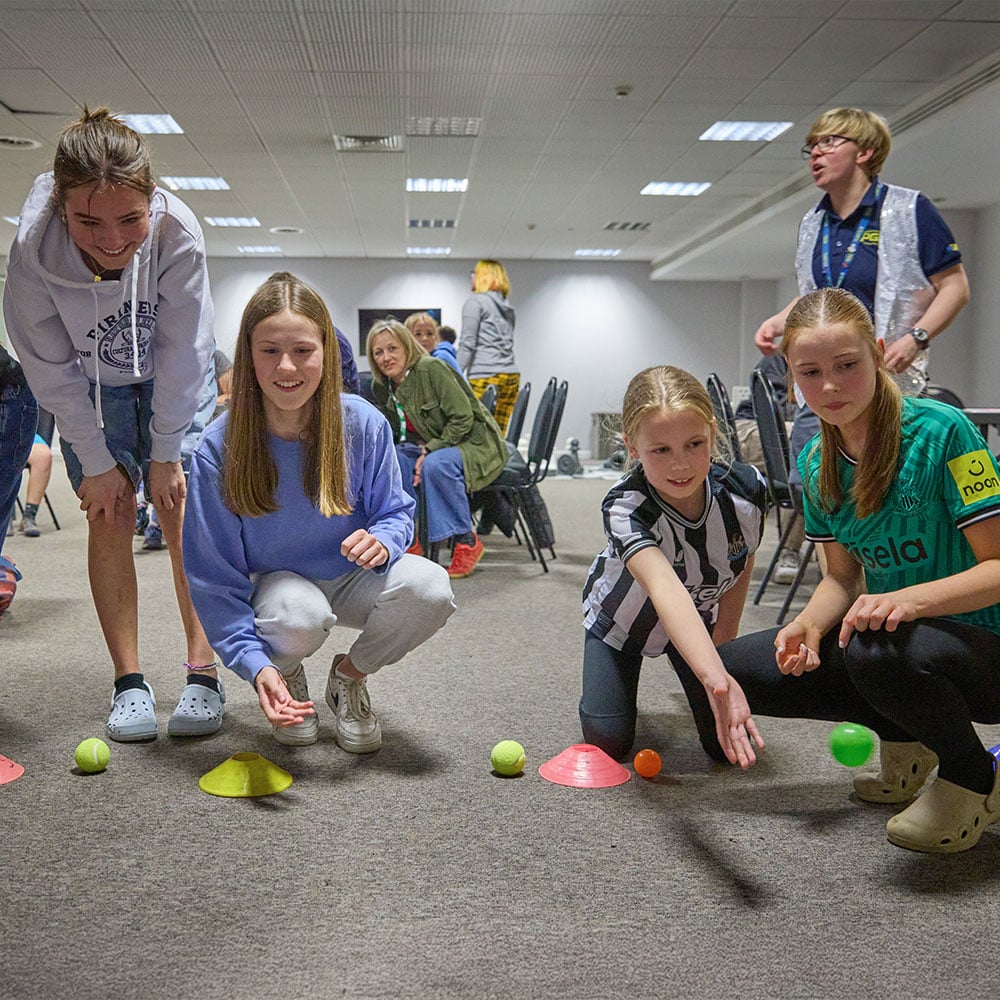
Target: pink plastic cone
column 584, row 766
column 9, row 771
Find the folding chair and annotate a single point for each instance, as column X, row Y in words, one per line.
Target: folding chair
column 45, row 430
column 518, row 413
column 784, row 495
column 489, row 398
column 517, row 483
column 723, row 413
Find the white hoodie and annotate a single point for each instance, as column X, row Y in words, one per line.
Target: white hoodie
column 154, row 323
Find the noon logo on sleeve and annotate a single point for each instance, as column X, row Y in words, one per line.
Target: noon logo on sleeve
column 975, row 476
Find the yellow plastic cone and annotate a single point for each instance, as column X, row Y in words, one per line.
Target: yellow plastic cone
column 245, row 776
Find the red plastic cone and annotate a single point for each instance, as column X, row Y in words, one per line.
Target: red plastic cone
column 9, row 771
column 584, row 766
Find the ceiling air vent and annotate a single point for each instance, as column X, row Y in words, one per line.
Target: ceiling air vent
column 369, row 143
column 16, row 142
column 628, row 227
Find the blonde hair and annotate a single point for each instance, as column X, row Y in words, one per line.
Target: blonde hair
column 489, row 276
column 250, row 475
column 100, row 147
column 864, row 128
column 422, row 317
column 877, row 465
column 411, row 349
column 664, row 387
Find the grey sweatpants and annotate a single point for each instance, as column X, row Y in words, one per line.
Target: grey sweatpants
column 395, row 611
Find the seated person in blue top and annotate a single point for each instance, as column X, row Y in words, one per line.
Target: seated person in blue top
column 448, row 444
column 682, row 527
column 298, row 521
column 902, row 634
column 427, row 334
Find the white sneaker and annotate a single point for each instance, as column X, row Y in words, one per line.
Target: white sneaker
column 788, row 566
column 358, row 729
column 303, row 733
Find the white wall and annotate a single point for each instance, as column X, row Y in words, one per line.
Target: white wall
column 595, row 324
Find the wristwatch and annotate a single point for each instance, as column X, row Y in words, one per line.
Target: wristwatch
column 922, row 337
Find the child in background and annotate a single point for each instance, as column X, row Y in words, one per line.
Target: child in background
column 427, row 334
column 902, row 634
column 682, row 530
column 298, row 521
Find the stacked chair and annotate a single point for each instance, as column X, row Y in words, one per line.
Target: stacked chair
column 515, row 490
column 723, row 413
column 785, row 496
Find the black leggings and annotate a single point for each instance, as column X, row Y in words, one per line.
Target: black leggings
column 928, row 681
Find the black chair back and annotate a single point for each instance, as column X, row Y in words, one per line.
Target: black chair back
column 489, row 398
column 940, row 393
column 46, row 426
column 558, row 405
column 539, row 439
column 723, row 413
column 518, row 413
column 773, row 439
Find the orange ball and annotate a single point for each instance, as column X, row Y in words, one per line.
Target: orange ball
column 647, row 763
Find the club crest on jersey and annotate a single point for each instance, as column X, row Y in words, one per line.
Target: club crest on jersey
column 975, row 476
column 737, row 546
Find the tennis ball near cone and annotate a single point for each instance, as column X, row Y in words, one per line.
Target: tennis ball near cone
column 507, row 758
column 92, row 755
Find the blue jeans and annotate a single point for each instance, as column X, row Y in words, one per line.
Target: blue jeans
column 442, row 481
column 18, row 419
column 127, row 411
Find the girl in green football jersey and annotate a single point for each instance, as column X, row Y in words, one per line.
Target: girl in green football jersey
column 902, row 634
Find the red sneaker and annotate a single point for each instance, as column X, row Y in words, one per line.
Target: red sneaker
column 464, row 559
column 8, row 582
column 416, row 549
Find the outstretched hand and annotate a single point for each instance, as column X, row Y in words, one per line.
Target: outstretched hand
column 734, row 725
column 279, row 706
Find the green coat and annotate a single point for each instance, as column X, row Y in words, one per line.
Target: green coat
column 447, row 414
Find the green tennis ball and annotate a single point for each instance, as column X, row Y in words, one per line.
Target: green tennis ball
column 92, row 755
column 852, row 745
column 507, row 758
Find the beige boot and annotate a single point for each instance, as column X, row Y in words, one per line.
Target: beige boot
column 946, row 819
column 905, row 767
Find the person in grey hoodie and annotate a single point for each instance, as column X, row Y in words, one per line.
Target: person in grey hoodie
column 486, row 345
column 107, row 303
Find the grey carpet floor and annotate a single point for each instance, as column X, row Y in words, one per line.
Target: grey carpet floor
column 415, row 872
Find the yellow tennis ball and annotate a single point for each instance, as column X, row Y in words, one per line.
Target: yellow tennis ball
column 507, row 758
column 92, row 755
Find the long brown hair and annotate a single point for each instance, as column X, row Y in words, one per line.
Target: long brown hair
column 877, row 465
column 250, row 475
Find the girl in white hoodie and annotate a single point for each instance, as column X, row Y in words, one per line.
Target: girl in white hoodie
column 108, row 306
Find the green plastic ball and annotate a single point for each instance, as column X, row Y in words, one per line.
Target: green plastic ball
column 507, row 758
column 92, row 755
column 852, row 745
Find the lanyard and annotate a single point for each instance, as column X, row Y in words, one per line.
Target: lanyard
column 863, row 223
column 399, row 412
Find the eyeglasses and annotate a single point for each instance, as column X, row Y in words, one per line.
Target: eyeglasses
column 825, row 145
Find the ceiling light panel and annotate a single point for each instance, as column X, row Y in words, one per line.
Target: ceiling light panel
column 153, row 124
column 195, row 183
column 232, row 221
column 428, row 251
column 444, row 127
column 437, row 185
column 730, row 131
column 677, row 189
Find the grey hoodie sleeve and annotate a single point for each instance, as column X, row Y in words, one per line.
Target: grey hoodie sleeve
column 51, row 363
column 472, row 316
column 185, row 337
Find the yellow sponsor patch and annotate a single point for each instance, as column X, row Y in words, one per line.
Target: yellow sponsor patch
column 870, row 237
column 975, row 476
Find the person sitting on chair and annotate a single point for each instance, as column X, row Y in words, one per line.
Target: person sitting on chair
column 447, row 442
column 39, row 471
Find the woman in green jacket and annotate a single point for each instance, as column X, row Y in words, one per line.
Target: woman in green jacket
column 447, row 442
